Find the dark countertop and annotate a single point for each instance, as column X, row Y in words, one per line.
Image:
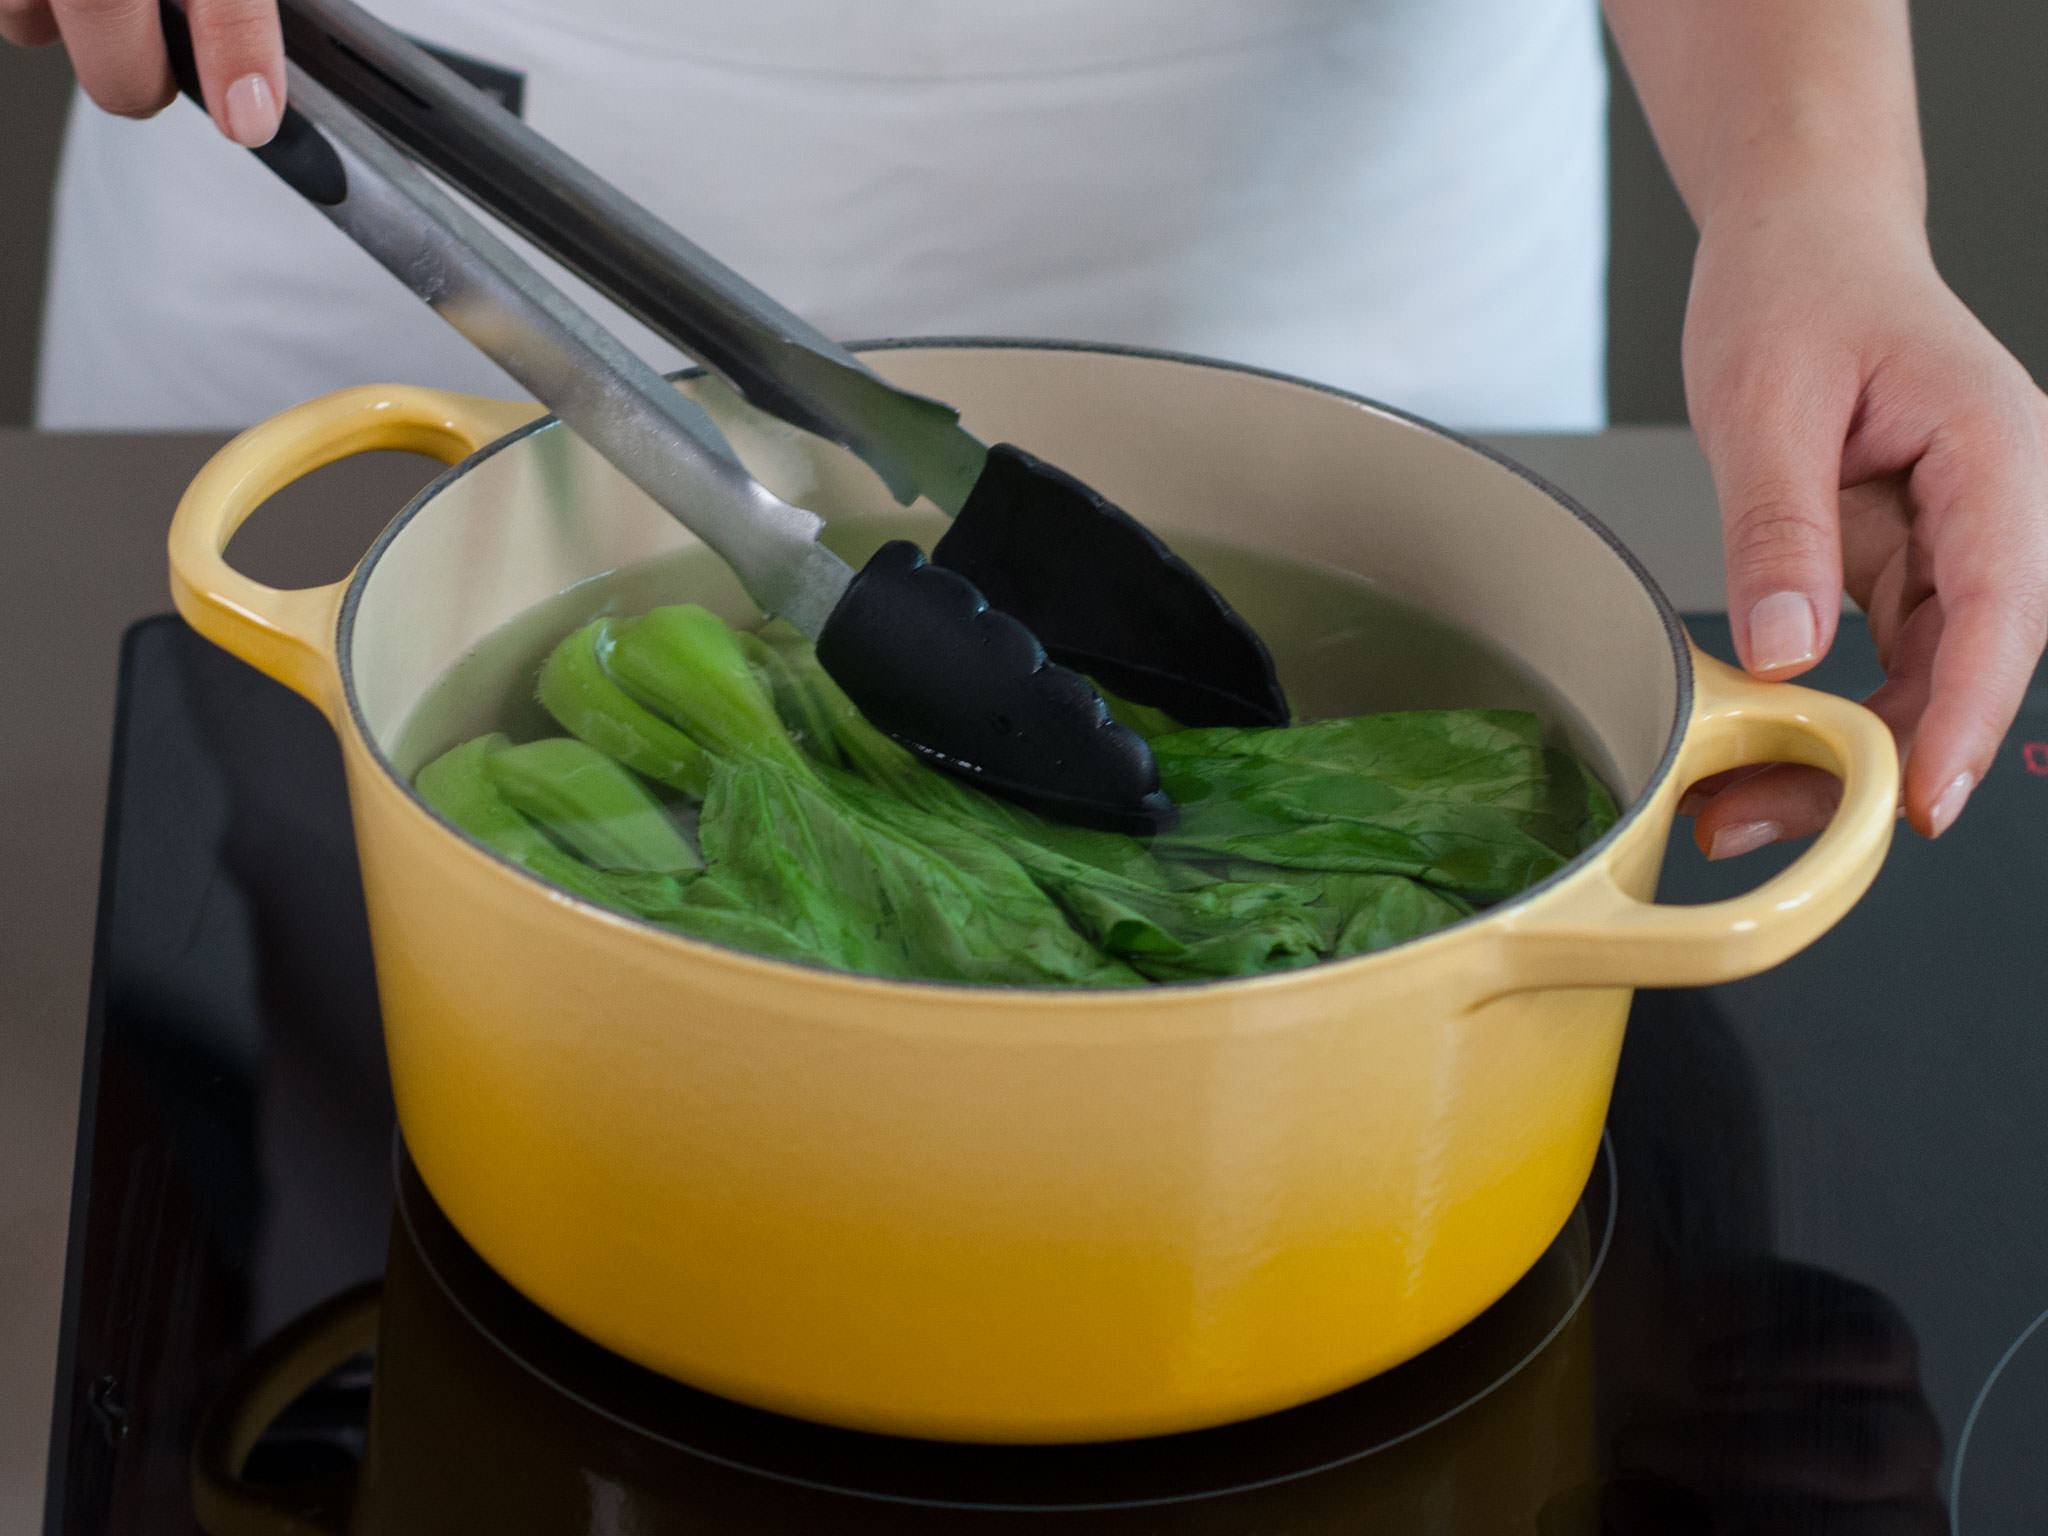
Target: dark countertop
column 84, row 519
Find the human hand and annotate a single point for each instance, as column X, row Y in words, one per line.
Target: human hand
column 117, row 50
column 1866, row 433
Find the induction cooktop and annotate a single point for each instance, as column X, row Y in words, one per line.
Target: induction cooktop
column 1806, row 1289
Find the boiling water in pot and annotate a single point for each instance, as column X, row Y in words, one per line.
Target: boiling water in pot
column 793, row 829
column 1342, row 646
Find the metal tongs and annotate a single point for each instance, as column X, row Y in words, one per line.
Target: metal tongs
column 974, row 658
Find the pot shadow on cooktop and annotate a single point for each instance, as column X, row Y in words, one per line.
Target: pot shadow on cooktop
column 1741, row 1391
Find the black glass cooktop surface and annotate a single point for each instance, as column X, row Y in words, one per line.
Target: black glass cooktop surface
column 1805, row 1291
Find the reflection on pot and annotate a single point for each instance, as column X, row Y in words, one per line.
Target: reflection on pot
column 1659, row 1371
column 1801, row 1411
column 488, row 1415
column 1740, row 1390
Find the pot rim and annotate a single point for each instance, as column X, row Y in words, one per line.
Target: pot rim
column 985, row 992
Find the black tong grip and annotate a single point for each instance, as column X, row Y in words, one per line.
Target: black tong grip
column 971, row 691
column 298, row 153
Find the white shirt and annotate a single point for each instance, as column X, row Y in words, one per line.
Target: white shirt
column 1402, row 197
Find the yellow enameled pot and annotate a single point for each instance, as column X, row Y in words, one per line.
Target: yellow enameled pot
column 1021, row 1215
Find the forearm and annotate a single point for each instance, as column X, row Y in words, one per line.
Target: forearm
column 1765, row 108
column 1865, row 432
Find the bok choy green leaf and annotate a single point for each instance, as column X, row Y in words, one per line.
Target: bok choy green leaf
column 720, row 784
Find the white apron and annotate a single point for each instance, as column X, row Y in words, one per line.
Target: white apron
column 1402, row 197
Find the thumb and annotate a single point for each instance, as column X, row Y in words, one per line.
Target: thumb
column 1776, row 457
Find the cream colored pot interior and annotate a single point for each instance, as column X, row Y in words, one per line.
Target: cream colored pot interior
column 1239, row 457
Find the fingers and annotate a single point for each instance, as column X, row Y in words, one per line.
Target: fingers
column 117, row 51
column 1744, row 810
column 240, row 51
column 1774, row 443
column 1901, row 702
column 27, row 23
column 1701, row 794
column 1989, row 647
column 1733, row 812
column 1985, row 493
column 1765, row 807
column 1878, row 566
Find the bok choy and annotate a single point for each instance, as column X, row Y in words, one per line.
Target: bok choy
column 718, row 783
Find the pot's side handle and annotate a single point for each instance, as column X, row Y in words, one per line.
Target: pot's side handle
column 290, row 635
column 1591, row 933
column 263, row 1386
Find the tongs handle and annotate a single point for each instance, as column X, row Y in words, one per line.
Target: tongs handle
column 661, row 440
column 1104, row 595
column 778, row 362
column 917, row 648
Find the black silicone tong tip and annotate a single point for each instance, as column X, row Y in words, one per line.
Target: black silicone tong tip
column 971, row 691
column 1106, row 597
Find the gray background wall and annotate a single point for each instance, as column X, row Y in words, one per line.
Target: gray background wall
column 34, row 86
column 1986, row 119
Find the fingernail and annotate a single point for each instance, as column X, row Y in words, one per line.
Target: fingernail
column 1948, row 805
column 251, row 112
column 1783, row 632
column 1744, row 837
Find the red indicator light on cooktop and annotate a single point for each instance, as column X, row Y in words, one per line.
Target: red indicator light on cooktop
column 2035, row 754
